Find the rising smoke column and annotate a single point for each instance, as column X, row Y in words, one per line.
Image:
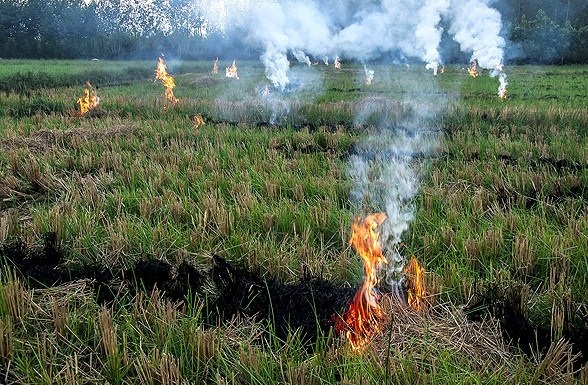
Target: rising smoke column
column 428, row 33
column 386, row 166
column 476, row 27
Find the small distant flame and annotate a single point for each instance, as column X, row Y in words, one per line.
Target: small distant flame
column 166, row 79
column 337, row 63
column 503, row 83
column 265, row 91
column 362, row 321
column 231, row 72
column 369, row 76
column 473, row 70
column 442, row 69
column 89, row 100
column 415, row 278
column 215, row 66
column 198, row 120
column 502, row 90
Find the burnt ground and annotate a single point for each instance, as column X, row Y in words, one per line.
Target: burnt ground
column 308, row 305
column 505, row 306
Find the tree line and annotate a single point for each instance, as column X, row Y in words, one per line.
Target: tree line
column 539, row 32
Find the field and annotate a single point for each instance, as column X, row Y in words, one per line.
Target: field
column 125, row 231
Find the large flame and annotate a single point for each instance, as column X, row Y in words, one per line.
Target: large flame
column 362, row 320
column 473, row 70
column 231, row 72
column 166, row 79
column 89, row 100
column 416, row 292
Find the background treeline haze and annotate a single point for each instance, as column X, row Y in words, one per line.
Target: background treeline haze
column 541, row 32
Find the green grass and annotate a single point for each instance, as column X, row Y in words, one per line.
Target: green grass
column 503, row 201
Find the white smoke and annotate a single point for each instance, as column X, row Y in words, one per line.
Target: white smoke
column 476, row 27
column 357, row 31
column 369, row 74
column 301, row 57
column 428, row 33
column 386, row 166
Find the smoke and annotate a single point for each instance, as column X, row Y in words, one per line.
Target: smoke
column 361, row 32
column 476, row 27
column 428, row 33
column 301, row 57
column 385, row 168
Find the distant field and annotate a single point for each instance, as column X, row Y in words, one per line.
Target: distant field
column 502, row 211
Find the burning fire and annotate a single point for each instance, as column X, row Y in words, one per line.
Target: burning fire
column 473, row 70
column 198, row 120
column 442, row 69
column 337, row 63
column 361, row 322
column 89, row 100
column 231, row 72
column 215, row 66
column 166, row 79
column 415, row 274
column 503, row 83
column 502, row 90
column 369, row 76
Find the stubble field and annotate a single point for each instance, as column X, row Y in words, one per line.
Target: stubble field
column 126, row 234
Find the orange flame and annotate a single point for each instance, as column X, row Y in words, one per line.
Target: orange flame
column 231, row 72
column 215, row 66
column 362, row 320
column 473, row 70
column 502, row 91
column 89, row 100
column 167, row 80
column 415, row 274
column 442, row 69
column 198, row 120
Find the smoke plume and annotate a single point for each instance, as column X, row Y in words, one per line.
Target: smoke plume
column 372, row 30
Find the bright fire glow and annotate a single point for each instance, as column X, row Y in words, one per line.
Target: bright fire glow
column 369, row 76
column 198, row 120
column 89, row 100
column 362, row 320
column 442, row 69
column 337, row 63
column 415, row 277
column 215, row 66
column 502, row 91
column 166, row 79
column 473, row 70
column 231, row 72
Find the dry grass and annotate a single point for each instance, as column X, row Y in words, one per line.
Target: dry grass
column 415, row 333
